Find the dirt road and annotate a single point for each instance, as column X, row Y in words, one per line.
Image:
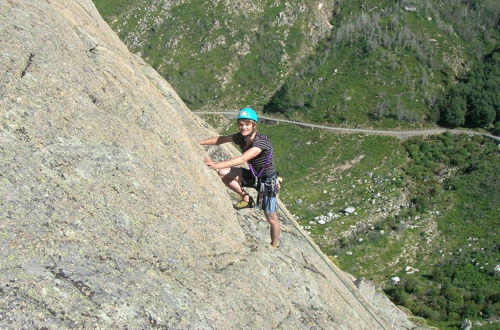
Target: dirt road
column 402, row 134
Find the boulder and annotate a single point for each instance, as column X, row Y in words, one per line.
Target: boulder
column 466, row 324
column 350, row 210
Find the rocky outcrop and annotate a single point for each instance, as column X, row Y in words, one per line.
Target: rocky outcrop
column 384, row 307
column 108, row 217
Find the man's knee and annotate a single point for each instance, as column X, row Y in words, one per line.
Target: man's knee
column 272, row 218
column 228, row 175
column 223, row 172
column 225, row 175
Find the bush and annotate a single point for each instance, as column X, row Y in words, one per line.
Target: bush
column 400, row 297
column 471, row 310
column 431, row 314
column 421, row 203
column 413, row 285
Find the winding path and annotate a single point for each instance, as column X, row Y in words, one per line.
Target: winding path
column 405, row 134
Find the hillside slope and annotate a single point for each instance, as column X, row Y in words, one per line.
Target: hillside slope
column 108, row 217
column 224, row 52
column 386, row 62
column 362, row 62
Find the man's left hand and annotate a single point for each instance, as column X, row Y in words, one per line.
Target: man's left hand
column 209, row 162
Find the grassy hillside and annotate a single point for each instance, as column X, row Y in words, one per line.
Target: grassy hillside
column 425, row 211
column 387, row 62
column 370, row 63
column 220, row 53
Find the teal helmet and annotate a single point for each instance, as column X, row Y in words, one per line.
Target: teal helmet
column 248, row 113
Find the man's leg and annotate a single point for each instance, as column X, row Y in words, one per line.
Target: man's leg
column 272, row 218
column 232, row 178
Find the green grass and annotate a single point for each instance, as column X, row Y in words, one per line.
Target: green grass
column 112, row 8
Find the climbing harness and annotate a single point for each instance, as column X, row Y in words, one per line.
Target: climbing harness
column 268, row 160
column 267, row 187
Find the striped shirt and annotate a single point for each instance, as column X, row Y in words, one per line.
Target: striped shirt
column 262, row 142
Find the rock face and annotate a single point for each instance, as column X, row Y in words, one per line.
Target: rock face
column 108, row 217
column 384, row 307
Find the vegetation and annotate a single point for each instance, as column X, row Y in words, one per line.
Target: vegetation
column 215, row 53
column 387, row 62
column 458, row 287
column 372, row 62
column 461, row 283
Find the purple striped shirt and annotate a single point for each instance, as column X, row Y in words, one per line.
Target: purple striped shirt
column 262, row 142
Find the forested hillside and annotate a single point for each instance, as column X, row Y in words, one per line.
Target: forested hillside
column 389, row 61
column 221, row 53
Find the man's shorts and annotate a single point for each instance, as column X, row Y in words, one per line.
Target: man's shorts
column 268, row 204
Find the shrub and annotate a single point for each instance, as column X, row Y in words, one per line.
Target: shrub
column 430, row 314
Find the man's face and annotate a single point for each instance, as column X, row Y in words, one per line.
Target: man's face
column 245, row 126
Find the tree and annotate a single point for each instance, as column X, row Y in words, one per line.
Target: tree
column 480, row 112
column 496, row 130
column 279, row 102
column 474, row 100
column 453, row 108
column 483, row 92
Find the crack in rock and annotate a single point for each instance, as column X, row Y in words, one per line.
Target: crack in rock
column 28, row 64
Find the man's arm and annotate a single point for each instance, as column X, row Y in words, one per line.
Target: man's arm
column 241, row 159
column 217, row 140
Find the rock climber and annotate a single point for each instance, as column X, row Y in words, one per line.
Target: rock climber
column 257, row 151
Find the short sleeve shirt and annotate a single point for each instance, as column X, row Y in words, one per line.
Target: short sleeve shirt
column 262, row 142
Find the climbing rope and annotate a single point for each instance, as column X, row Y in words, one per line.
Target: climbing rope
column 327, row 262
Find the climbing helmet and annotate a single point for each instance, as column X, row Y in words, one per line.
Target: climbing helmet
column 248, row 113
